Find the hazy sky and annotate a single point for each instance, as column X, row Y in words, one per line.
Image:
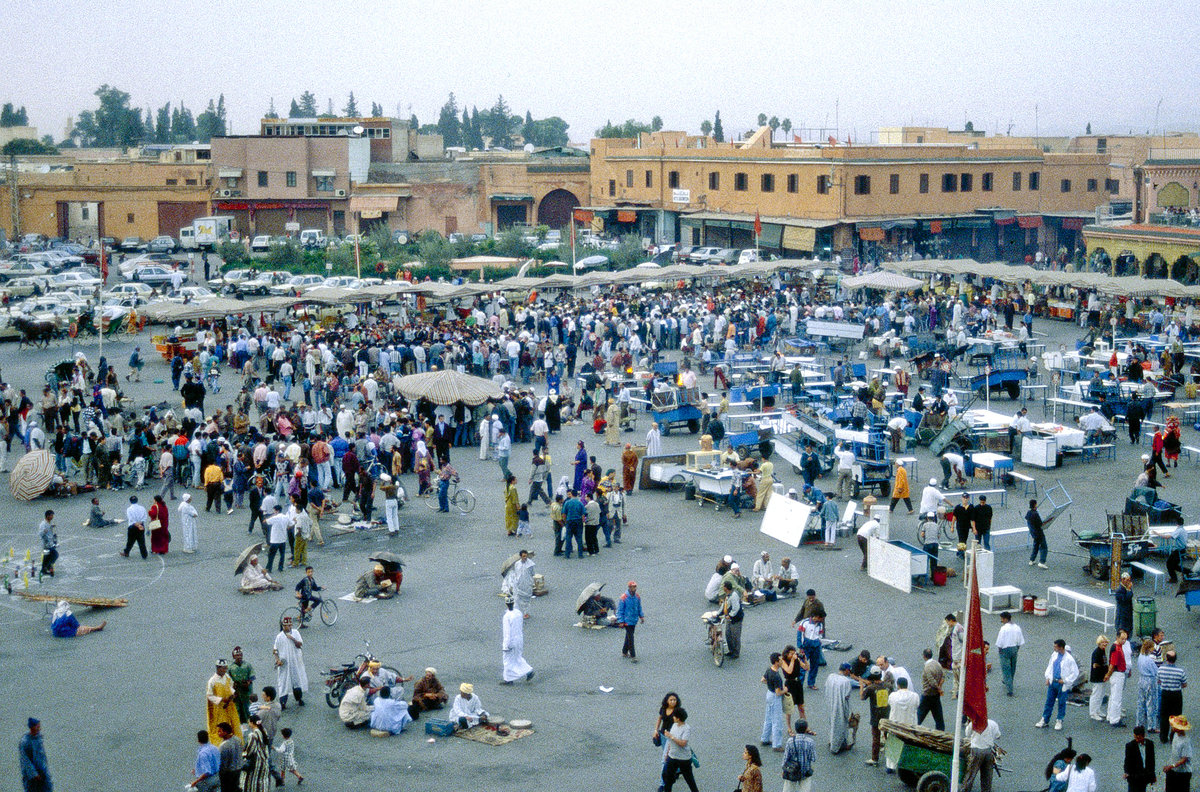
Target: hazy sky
column 883, row 63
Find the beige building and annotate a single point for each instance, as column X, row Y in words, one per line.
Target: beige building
column 480, row 193
column 941, row 136
column 84, row 200
column 1127, row 154
column 267, row 182
column 962, row 200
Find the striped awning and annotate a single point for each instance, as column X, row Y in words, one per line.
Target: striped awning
column 32, row 475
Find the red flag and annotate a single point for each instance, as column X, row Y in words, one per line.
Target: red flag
column 103, row 263
column 757, row 224
column 832, row 140
column 974, row 682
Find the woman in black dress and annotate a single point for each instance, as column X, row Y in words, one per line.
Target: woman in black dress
column 793, row 665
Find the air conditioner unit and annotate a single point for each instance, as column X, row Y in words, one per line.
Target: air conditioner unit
column 339, row 193
column 226, row 193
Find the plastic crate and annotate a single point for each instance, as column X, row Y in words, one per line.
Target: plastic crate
column 439, row 727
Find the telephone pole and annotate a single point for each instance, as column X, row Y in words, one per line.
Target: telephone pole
column 14, row 193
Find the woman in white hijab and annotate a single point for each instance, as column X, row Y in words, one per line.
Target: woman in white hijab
column 187, row 518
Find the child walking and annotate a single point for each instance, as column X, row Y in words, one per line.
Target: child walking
column 523, row 528
column 287, row 757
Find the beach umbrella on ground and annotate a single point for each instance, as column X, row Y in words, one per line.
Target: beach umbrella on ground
column 587, row 594
column 244, row 558
column 32, row 475
column 448, row 386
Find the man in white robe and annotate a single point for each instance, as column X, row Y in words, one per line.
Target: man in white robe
column 653, row 441
column 903, row 705
column 289, row 663
column 256, row 579
column 837, row 698
column 467, row 710
column 518, row 583
column 513, row 646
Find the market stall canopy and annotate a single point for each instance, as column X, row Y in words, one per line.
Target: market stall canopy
column 882, row 280
column 330, row 295
column 448, row 386
column 479, row 262
column 32, row 475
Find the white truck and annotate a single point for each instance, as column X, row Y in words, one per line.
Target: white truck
column 205, row 232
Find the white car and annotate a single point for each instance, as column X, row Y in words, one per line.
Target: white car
column 22, row 267
column 191, row 294
column 261, row 243
column 64, row 279
column 60, row 259
column 152, row 273
column 262, row 284
column 343, row 282
column 23, row 287
column 229, row 278
column 70, row 301
column 297, row 284
column 87, row 293
column 122, row 290
column 120, row 308
column 130, row 264
column 58, row 303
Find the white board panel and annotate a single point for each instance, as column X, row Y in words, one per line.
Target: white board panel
column 784, row 519
column 889, row 564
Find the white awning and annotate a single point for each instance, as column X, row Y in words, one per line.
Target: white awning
column 229, row 173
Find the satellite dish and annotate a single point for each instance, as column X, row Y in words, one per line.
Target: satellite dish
column 358, row 130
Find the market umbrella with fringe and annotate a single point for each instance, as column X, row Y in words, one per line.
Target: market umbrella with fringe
column 32, row 475
column 882, row 280
column 448, row 386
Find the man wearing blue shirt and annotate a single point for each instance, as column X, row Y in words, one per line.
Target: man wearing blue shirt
column 629, row 613
column 208, row 765
column 573, row 513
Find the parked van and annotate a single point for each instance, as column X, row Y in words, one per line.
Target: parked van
column 313, row 238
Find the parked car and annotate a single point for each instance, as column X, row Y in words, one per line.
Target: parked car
column 456, row 237
column 133, row 244
column 477, row 238
column 701, row 255
column 262, row 284
column 725, row 257
column 297, row 284
column 191, row 294
column 313, row 238
column 680, row 254
column 165, row 259
column 152, row 273
column 229, row 278
column 22, row 267
column 23, row 287
column 89, row 255
column 402, row 237
column 127, row 290
column 162, row 244
column 343, row 282
column 260, row 243
column 64, row 279
column 119, row 307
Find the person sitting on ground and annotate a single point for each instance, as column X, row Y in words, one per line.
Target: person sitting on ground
column 389, row 715
column 354, row 711
column 599, row 609
column 382, row 677
column 97, row 518
column 63, row 623
column 788, row 578
column 375, row 582
column 428, row 693
column 467, row 710
column 760, row 575
column 256, row 579
column 712, row 591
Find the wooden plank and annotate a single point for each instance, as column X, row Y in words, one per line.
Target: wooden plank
column 94, row 602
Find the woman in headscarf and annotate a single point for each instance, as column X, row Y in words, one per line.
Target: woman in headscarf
column 256, row 757
column 563, row 488
column 160, row 537
column 63, row 623
column 187, row 518
column 629, row 463
column 423, row 465
column 612, row 430
column 511, row 505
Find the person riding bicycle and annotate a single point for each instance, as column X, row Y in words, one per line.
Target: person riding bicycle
column 306, row 592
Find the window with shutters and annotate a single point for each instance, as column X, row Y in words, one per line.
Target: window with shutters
column 741, row 181
column 923, row 183
column 862, row 185
column 894, row 183
column 767, row 183
column 949, row 182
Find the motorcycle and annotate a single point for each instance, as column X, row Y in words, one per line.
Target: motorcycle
column 341, row 679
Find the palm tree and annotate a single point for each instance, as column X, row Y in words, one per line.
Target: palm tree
column 705, row 127
column 762, row 119
column 786, row 125
column 774, row 124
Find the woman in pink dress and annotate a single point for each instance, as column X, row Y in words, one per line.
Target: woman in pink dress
column 160, row 537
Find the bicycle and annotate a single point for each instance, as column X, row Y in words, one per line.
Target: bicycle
column 326, row 607
column 339, row 680
column 460, row 498
column 716, row 636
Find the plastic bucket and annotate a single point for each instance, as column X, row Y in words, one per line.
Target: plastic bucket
column 1145, row 615
column 939, row 576
column 1040, row 608
column 1027, row 603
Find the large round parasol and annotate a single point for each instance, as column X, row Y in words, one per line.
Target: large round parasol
column 244, row 558
column 387, row 558
column 448, row 386
column 587, row 594
column 511, row 560
column 32, row 475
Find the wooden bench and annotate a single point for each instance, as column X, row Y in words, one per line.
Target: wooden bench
column 1028, row 482
column 1009, row 538
column 1159, row 576
column 1079, row 606
column 1098, row 450
column 1008, row 592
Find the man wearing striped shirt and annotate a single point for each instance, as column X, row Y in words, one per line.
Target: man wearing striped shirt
column 1171, row 681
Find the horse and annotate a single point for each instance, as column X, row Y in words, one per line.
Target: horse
column 36, row 332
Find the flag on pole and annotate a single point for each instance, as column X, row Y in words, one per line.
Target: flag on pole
column 757, row 224
column 103, row 263
column 974, row 683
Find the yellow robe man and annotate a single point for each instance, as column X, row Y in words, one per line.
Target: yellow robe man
column 222, row 707
column 765, row 485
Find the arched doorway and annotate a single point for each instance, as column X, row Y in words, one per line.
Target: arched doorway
column 1101, row 261
column 1126, row 264
column 1173, row 195
column 1184, row 270
column 556, row 207
column 1156, row 266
